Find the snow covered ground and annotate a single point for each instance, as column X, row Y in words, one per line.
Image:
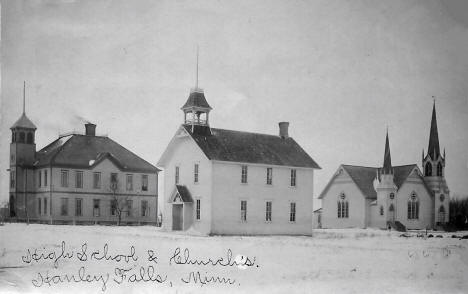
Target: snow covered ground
column 75, row 259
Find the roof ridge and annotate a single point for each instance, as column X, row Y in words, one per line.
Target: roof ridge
column 246, row 132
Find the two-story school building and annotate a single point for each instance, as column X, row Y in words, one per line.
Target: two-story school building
column 231, row 182
column 79, row 179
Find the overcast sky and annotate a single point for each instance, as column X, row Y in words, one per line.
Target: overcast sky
column 339, row 71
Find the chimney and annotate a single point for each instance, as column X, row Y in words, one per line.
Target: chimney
column 90, row 129
column 283, row 129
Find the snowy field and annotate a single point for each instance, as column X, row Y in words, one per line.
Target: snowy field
column 76, row 259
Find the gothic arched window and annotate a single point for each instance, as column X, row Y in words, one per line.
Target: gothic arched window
column 413, row 207
column 29, row 138
column 343, row 206
column 441, row 214
column 392, row 196
column 21, row 137
column 439, row 169
column 428, row 169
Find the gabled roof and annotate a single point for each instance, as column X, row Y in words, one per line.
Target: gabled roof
column 23, row 122
column 237, row 146
column 183, row 192
column 196, row 99
column 364, row 177
column 81, row 151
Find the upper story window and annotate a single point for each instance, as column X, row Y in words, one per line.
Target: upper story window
column 129, row 182
column 97, row 180
column 269, row 178
column 39, row 178
column 195, row 173
column 428, row 169
column 45, row 178
column 442, row 197
column 381, row 210
column 13, row 136
column 176, row 175
column 343, row 206
column 413, row 206
column 293, row 178
column 30, row 138
column 64, row 178
column 244, row 174
column 439, row 169
column 21, row 137
column 144, row 183
column 392, row 196
column 12, row 179
column 79, row 179
column 144, row 208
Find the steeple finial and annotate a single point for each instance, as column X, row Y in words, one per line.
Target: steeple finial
column 24, row 97
column 387, row 166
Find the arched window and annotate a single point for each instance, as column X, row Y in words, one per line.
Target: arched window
column 428, row 169
column 442, row 197
column 439, row 169
column 391, row 208
column 381, row 210
column 392, row 196
column 21, row 137
column 13, row 137
column 413, row 207
column 343, row 206
column 441, row 214
column 29, row 138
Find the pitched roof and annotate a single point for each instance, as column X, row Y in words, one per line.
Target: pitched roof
column 433, row 149
column 184, row 193
column 23, row 122
column 81, row 151
column 364, row 177
column 237, row 146
column 196, row 99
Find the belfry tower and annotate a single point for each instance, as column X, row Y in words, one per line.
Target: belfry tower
column 22, row 156
column 433, row 164
column 196, row 110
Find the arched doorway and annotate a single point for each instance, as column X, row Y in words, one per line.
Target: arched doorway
column 441, row 216
column 391, row 213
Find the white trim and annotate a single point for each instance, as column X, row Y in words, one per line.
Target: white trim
column 262, row 165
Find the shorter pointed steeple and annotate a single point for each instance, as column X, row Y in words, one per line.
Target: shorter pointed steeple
column 387, row 165
column 434, row 149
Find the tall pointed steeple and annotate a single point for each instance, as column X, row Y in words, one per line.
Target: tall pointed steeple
column 434, row 149
column 387, row 165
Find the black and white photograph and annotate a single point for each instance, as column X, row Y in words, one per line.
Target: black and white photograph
column 251, row 146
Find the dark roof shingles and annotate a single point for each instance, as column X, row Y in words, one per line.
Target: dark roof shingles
column 236, row 146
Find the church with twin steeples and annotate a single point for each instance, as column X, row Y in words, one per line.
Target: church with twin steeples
column 389, row 196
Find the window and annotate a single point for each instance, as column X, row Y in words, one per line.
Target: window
column 129, row 182
column 12, row 179
column 176, row 175
column 79, row 179
column 114, row 178
column 244, row 174
column 64, row 178
column 195, row 173
column 343, row 207
column 45, row 178
column 78, row 207
column 39, row 202
column 381, row 210
column 439, row 169
column 198, row 209
column 268, row 211
column 441, row 216
column 21, row 137
column 293, row 178
column 244, row 210
column 144, row 183
column 96, row 207
column 269, row 180
column 39, row 178
column 413, row 207
column 45, row 206
column 13, row 137
column 292, row 211
column 113, row 207
column 97, row 180
column 392, row 196
column 64, row 206
column 428, row 169
column 30, row 138
column 441, row 197
column 144, row 208
column 129, row 204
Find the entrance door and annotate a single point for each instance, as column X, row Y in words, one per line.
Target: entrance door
column 391, row 213
column 177, row 217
